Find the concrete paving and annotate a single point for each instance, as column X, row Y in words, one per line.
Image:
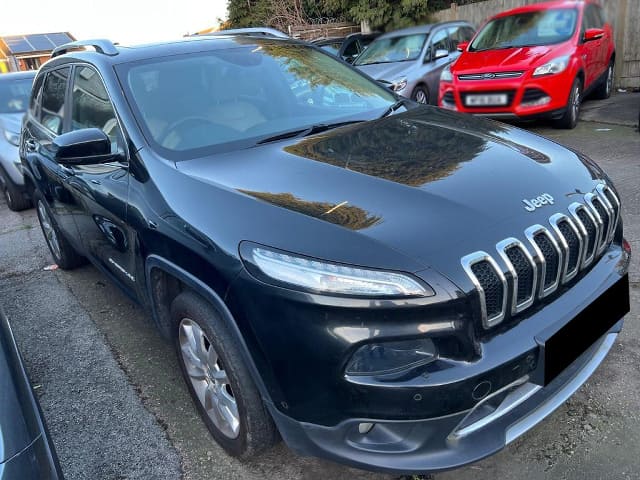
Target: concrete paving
column 117, row 406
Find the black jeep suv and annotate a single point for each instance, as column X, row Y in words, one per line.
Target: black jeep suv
column 388, row 285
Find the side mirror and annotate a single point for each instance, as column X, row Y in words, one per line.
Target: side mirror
column 88, row 146
column 462, row 46
column 593, row 34
column 441, row 53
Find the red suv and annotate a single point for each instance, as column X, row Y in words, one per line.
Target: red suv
column 534, row 61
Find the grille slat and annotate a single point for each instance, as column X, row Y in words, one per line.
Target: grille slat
column 551, row 260
column 524, row 270
column 604, row 218
column 589, row 228
column 573, row 242
column 492, row 286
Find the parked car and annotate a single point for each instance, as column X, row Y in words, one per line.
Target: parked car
column 347, row 48
column 346, row 269
column 26, row 451
column 410, row 60
column 14, row 95
column 535, row 61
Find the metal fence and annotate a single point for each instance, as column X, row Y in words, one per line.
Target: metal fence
column 624, row 15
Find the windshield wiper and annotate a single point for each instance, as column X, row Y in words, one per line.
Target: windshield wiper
column 303, row 132
column 400, row 103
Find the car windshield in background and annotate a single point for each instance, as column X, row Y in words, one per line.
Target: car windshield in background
column 14, row 95
column 332, row 48
column 544, row 27
column 392, row 49
column 222, row 100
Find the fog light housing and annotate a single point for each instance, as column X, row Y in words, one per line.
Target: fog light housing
column 538, row 102
column 374, row 359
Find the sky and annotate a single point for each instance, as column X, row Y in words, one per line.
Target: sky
column 123, row 21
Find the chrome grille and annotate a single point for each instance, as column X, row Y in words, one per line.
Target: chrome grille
column 551, row 256
column 489, row 75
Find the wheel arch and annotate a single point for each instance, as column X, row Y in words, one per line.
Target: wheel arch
column 165, row 280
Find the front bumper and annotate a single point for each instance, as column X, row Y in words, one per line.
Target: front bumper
column 10, row 163
column 522, row 93
column 427, row 420
column 431, row 445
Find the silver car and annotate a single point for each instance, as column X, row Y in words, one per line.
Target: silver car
column 15, row 89
column 409, row 61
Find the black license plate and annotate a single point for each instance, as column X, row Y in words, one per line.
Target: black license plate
column 568, row 343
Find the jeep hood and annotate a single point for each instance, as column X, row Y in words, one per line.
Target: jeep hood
column 507, row 59
column 428, row 183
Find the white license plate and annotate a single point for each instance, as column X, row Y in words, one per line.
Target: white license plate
column 486, row 100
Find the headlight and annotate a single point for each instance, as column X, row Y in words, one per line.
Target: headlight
column 12, row 138
column 332, row 278
column 446, row 75
column 399, row 84
column 556, row 65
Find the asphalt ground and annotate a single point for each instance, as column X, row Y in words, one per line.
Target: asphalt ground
column 117, row 406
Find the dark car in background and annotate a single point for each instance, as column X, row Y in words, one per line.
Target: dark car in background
column 14, row 98
column 26, row 451
column 386, row 284
column 535, row 61
column 347, row 48
column 411, row 60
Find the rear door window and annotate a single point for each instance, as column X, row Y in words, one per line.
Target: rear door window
column 53, row 100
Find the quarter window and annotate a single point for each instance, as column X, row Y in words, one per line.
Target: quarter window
column 91, row 107
column 34, row 104
column 53, row 99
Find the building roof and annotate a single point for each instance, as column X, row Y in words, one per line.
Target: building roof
column 39, row 42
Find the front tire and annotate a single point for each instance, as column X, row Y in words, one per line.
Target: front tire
column 570, row 118
column 420, row 94
column 219, row 380
column 16, row 201
column 65, row 256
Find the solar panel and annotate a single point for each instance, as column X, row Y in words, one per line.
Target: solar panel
column 36, row 43
column 40, row 42
column 59, row 38
column 18, row 45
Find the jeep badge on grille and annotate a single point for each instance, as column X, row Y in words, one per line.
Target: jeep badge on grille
column 532, row 204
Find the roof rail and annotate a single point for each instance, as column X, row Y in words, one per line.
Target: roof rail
column 250, row 31
column 106, row 47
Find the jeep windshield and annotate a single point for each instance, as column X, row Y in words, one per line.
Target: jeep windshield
column 226, row 99
column 392, row 49
column 542, row 27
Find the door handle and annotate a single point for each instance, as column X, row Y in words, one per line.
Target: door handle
column 30, row 145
